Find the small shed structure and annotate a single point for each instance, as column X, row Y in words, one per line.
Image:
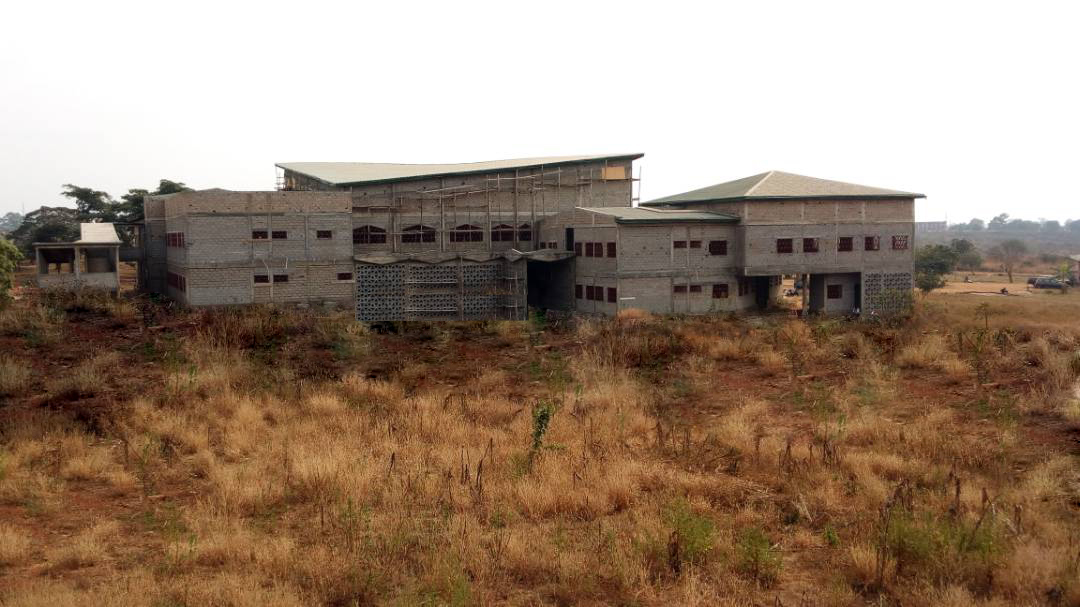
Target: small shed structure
column 92, row 261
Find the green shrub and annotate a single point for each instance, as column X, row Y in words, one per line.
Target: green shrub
column 694, row 534
column 758, row 558
column 942, row 548
column 9, row 261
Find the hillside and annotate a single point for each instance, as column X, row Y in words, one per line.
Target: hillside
column 157, row 456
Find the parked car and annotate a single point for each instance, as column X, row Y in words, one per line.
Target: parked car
column 1048, row 283
column 1031, row 279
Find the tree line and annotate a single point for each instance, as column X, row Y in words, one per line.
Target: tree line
column 59, row 224
column 1004, row 223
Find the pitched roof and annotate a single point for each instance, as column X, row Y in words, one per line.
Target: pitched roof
column 779, row 186
column 97, row 233
column 632, row 215
column 1074, row 257
column 348, row 173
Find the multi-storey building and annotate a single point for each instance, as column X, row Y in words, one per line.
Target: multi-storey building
column 487, row 240
column 851, row 244
column 466, row 241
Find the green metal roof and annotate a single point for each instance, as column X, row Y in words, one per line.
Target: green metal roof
column 777, row 185
column 631, row 215
column 352, row 173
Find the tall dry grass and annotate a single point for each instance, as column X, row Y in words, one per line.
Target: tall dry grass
column 575, row 474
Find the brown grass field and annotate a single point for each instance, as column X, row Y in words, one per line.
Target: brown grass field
column 163, row 457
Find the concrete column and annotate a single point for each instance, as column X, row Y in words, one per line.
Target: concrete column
column 805, row 294
column 116, row 267
column 75, row 263
column 38, row 259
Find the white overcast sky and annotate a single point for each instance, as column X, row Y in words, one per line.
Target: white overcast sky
column 976, row 104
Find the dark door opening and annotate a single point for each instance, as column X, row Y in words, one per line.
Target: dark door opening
column 551, row 284
column 569, row 239
column 761, row 291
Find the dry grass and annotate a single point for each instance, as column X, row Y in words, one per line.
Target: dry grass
column 14, row 545
column 14, row 375
column 639, row 460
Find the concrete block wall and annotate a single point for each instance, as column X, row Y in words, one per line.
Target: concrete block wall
column 307, row 283
column 513, row 203
column 761, row 258
column 849, row 284
column 647, row 268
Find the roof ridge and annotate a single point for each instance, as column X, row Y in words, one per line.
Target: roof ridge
column 758, row 184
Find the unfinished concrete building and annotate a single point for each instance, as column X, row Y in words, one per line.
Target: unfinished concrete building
column 398, row 242
column 488, row 240
column 851, row 244
column 91, row 262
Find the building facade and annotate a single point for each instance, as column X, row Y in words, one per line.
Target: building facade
column 489, row 240
column 90, row 262
column 397, row 242
column 851, row 244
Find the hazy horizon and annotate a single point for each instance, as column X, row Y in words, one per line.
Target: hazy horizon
column 967, row 103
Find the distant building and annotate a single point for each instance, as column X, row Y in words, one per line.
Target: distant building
column 930, row 227
column 91, row 261
column 488, row 240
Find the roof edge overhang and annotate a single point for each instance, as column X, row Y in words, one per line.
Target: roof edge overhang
column 76, row 243
column 661, row 202
column 466, row 172
column 657, row 221
column 475, row 256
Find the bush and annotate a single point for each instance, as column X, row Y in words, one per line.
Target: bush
column 9, row 261
column 693, row 534
column 758, row 558
column 941, row 549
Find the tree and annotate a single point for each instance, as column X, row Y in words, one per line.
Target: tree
column 1052, row 226
column 9, row 222
column 9, row 261
column 976, row 225
column 932, row 263
column 91, row 204
column 1009, row 253
column 1073, row 225
column 47, row 224
column 1022, row 225
column 130, row 206
column 967, row 256
column 999, row 222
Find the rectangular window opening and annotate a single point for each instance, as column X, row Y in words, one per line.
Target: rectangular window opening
column 810, row 245
column 845, row 244
column 720, row 291
column 784, row 245
column 261, row 279
column 344, row 276
column 279, row 235
column 324, row 234
column 680, row 244
column 611, row 298
column 834, row 291
column 281, row 278
column 872, row 243
column 259, row 235
column 717, row 247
